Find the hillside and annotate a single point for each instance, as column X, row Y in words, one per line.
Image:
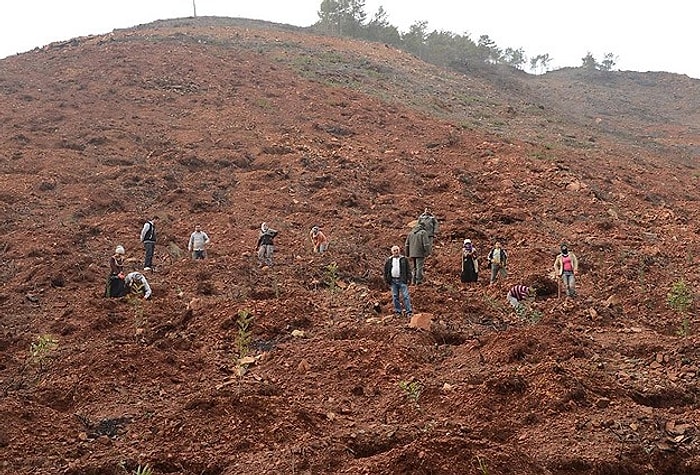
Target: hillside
column 229, row 123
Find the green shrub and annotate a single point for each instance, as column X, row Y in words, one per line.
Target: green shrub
column 40, row 350
column 680, row 299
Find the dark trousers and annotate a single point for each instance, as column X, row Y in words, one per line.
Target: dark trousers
column 150, row 248
column 115, row 286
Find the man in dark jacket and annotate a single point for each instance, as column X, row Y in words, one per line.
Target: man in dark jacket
column 148, row 238
column 397, row 274
column 418, row 247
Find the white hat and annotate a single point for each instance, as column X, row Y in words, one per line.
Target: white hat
column 119, row 250
column 467, row 241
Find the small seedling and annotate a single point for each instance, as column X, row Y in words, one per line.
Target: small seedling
column 493, row 303
column 680, row 299
column 330, row 276
column 140, row 319
column 684, row 329
column 530, row 315
column 243, row 338
column 412, row 390
column 41, row 349
column 483, row 469
column 143, row 470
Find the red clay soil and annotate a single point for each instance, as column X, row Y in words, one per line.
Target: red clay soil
column 227, row 124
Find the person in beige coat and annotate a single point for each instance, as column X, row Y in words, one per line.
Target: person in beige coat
column 566, row 267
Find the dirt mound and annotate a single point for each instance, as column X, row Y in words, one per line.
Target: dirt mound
column 301, row 367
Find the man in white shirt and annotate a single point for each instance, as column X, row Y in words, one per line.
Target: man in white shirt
column 397, row 274
column 198, row 242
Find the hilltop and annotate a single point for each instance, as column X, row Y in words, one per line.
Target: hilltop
column 228, row 123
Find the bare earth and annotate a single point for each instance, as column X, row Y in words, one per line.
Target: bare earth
column 229, row 123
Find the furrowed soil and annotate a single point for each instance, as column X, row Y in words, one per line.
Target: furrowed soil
column 229, row 123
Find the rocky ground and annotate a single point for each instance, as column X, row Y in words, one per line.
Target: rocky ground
column 300, row 368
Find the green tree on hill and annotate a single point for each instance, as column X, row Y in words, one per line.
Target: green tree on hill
column 414, row 39
column 444, row 48
column 608, row 62
column 540, row 63
column 514, row 57
column 588, row 62
column 342, row 17
column 489, row 51
column 379, row 29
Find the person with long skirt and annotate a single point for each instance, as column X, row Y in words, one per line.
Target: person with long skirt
column 470, row 262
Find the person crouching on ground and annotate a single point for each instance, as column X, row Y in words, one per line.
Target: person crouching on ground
column 518, row 294
column 136, row 283
column 397, row 275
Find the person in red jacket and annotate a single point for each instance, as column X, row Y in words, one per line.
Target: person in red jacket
column 319, row 240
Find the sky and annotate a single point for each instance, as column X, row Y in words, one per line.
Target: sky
column 642, row 36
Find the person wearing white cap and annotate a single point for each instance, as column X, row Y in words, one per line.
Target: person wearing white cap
column 115, row 281
column 470, row 262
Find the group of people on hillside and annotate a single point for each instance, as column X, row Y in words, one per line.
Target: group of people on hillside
column 120, row 284
column 401, row 270
column 565, row 269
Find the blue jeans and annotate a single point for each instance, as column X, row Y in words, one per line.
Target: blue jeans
column 396, row 287
column 569, row 283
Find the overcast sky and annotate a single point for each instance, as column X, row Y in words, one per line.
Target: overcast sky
column 644, row 36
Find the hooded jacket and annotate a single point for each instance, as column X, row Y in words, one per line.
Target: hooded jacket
column 418, row 242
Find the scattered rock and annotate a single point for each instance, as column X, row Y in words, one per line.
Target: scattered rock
column 602, row 402
column 421, row 321
column 303, row 366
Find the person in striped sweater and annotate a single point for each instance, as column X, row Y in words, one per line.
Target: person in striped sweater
column 518, row 294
